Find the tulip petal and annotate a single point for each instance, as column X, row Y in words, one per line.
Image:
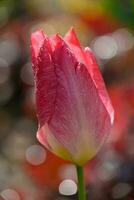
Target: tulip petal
column 87, row 58
column 98, row 81
column 46, row 138
column 73, row 107
column 78, row 108
column 71, row 37
column 73, row 42
column 36, row 41
column 45, row 80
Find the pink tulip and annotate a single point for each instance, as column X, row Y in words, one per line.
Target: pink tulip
column 74, row 110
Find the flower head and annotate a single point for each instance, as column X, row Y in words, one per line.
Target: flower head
column 73, row 108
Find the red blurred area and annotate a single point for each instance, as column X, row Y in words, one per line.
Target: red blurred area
column 46, row 174
column 122, row 98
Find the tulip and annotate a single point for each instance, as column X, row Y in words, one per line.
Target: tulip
column 73, row 107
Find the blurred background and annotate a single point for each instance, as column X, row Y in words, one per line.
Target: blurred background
column 27, row 170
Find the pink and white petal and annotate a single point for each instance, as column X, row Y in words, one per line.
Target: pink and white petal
column 46, row 138
column 87, row 58
column 98, row 81
column 45, row 83
column 80, row 121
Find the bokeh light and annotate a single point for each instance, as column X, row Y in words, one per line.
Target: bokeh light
column 35, row 154
column 124, row 39
column 105, row 47
column 4, row 71
column 10, row 194
column 9, row 48
column 26, row 74
column 120, row 190
column 67, row 187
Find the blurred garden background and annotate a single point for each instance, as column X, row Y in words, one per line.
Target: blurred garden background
column 27, row 170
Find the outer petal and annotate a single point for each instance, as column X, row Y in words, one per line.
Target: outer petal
column 45, row 87
column 86, row 57
column 36, row 42
column 73, row 43
column 71, row 37
column 45, row 137
column 98, row 81
column 80, row 118
column 45, row 80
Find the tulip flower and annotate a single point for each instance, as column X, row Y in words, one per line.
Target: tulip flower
column 73, row 107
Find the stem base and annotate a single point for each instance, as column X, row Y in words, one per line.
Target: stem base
column 81, row 183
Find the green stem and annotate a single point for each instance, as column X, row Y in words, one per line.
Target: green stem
column 81, row 184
